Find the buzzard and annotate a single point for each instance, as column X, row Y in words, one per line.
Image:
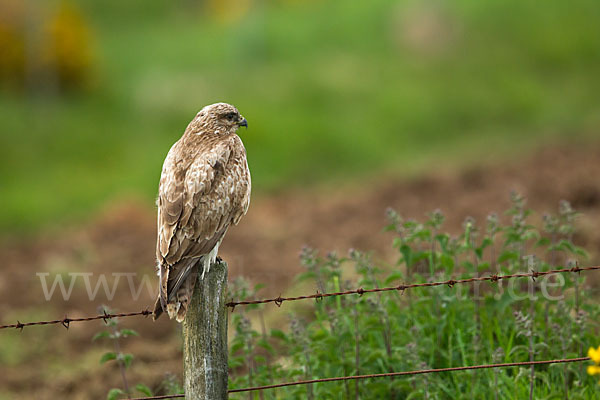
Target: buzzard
column 204, row 188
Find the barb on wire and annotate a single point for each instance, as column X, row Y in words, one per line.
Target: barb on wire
column 388, row 374
column 66, row 321
column 402, row 287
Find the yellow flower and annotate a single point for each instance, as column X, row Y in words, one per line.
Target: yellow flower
column 594, row 354
column 593, row 370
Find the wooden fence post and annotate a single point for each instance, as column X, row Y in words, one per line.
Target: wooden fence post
column 205, row 338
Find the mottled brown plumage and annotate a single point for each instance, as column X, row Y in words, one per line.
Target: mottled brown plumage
column 204, row 188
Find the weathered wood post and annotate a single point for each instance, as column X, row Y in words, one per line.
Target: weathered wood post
column 205, row 338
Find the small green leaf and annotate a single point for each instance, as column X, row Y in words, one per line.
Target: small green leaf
column 542, row 242
column 443, row 241
column 479, row 252
column 127, row 359
column 406, row 252
column 113, row 394
column 397, row 242
column 235, row 362
column 306, row 275
column 484, row 266
column 468, row 265
column 486, row 242
column 395, row 276
column 101, row 335
column 236, row 346
column 447, row 262
column 508, row 255
column 145, row 390
column 107, row 357
column 276, row 333
column 265, row 345
column 128, row 332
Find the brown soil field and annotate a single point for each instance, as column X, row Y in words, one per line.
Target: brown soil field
column 49, row 362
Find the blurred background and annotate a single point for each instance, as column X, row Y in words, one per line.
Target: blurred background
column 352, row 107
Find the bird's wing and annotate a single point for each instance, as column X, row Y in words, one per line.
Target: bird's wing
column 198, row 200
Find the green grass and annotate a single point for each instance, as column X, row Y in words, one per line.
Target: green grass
column 332, row 91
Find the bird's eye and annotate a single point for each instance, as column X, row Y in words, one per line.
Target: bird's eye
column 230, row 116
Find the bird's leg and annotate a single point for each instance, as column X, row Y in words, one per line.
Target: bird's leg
column 219, row 260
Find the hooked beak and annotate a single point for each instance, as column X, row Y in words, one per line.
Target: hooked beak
column 243, row 122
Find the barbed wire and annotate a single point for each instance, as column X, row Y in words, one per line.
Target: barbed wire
column 402, row 287
column 388, row 374
column 279, row 300
column 66, row 321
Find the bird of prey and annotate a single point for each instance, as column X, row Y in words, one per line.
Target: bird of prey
column 204, row 188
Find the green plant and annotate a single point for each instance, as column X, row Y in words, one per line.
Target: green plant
column 504, row 321
column 114, row 334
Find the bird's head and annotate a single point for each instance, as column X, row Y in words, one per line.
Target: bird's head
column 221, row 117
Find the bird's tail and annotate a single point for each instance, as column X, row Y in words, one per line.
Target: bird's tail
column 177, row 307
column 179, row 290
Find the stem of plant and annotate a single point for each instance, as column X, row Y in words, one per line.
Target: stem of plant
column 120, row 362
column 496, row 384
column 250, row 363
column 356, row 351
column 580, row 324
column 531, row 348
column 268, row 357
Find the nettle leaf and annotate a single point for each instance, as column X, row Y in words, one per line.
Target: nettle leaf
column 276, row 333
column 145, row 390
column 397, row 242
column 423, row 235
column 237, row 346
column 443, row 240
column 235, row 362
column 265, row 345
column 513, row 237
column 101, row 335
column 567, row 246
column 531, row 235
column 395, row 276
column 542, row 242
column 113, row 394
column 128, row 332
column 108, row 357
column 484, row 266
column 420, row 256
column 486, row 242
column 468, row 265
column 305, row 276
column 508, row 255
column 320, row 334
column 406, row 253
column 479, row 252
column 581, row 252
column 447, row 262
column 127, row 359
